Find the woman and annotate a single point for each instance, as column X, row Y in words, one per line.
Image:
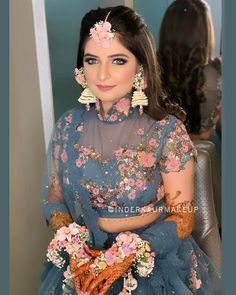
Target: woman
column 122, row 169
column 190, row 73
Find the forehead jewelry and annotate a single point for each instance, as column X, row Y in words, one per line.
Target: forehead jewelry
column 102, row 33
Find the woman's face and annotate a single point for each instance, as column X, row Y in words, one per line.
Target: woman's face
column 109, row 71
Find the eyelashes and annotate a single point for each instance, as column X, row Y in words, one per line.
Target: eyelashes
column 116, row 61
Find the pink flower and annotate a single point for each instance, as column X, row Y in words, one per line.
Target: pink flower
column 132, row 195
column 123, row 106
column 140, row 184
column 68, row 118
column 119, row 152
column 79, row 162
column 131, row 182
column 86, row 151
column 162, row 122
column 56, row 151
column 64, row 157
column 79, row 77
column 152, row 142
column 140, row 131
column 95, row 191
column 173, row 164
column 146, row 159
column 121, row 168
column 101, row 34
column 184, row 148
column 80, row 128
column 113, row 118
column 129, row 153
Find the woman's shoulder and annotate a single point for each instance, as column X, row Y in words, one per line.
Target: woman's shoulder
column 69, row 115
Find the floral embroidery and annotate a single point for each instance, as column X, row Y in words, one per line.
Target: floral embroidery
column 140, row 131
column 177, row 150
column 160, row 192
column 118, row 112
column 80, row 128
column 194, row 282
column 102, row 196
column 146, row 159
column 123, row 106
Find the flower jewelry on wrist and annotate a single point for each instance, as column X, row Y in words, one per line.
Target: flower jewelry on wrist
column 69, row 240
column 127, row 243
column 102, row 34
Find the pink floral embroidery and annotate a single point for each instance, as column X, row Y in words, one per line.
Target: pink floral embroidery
column 173, row 164
column 153, row 143
column 113, row 118
column 101, row 34
column 64, row 157
column 80, row 128
column 56, row 151
column 123, row 106
column 132, row 195
column 119, row 152
column 79, row 162
column 160, row 192
column 79, row 76
column 195, row 283
column 146, row 159
column 69, row 118
column 140, row 131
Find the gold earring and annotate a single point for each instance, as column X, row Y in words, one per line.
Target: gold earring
column 139, row 98
column 86, row 96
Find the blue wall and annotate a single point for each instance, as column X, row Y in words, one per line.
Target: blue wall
column 152, row 11
column 63, row 24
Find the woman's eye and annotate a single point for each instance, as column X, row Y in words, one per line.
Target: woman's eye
column 119, row 61
column 90, row 61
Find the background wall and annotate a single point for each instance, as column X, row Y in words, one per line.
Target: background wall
column 29, row 235
column 63, row 23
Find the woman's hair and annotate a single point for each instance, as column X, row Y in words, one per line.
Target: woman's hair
column 186, row 45
column 134, row 35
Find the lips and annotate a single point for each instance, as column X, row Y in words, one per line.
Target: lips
column 105, row 87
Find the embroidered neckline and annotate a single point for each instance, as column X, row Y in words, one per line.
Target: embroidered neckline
column 119, row 111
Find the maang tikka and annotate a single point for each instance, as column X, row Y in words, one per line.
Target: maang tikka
column 86, row 96
column 139, row 98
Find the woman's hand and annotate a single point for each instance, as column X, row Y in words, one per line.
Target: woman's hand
column 83, row 272
column 107, row 277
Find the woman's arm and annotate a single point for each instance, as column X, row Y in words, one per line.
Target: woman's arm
column 179, row 190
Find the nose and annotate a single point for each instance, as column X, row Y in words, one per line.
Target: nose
column 103, row 71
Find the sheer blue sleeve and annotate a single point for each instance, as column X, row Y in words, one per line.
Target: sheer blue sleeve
column 51, row 188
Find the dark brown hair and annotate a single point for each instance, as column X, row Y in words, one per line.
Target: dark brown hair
column 135, row 36
column 186, row 45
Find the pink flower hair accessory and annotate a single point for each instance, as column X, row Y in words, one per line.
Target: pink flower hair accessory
column 102, row 33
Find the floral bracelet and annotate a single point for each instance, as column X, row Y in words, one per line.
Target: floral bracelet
column 71, row 240
column 127, row 243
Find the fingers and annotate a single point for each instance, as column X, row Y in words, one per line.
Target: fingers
column 108, row 284
column 83, row 268
column 92, row 252
column 87, row 281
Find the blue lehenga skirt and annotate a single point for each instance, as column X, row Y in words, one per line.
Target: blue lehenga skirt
column 186, row 270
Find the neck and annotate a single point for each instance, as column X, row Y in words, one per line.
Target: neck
column 105, row 107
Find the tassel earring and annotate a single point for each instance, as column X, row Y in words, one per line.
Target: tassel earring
column 86, row 96
column 139, row 98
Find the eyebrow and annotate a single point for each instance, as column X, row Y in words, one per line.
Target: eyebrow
column 113, row 55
